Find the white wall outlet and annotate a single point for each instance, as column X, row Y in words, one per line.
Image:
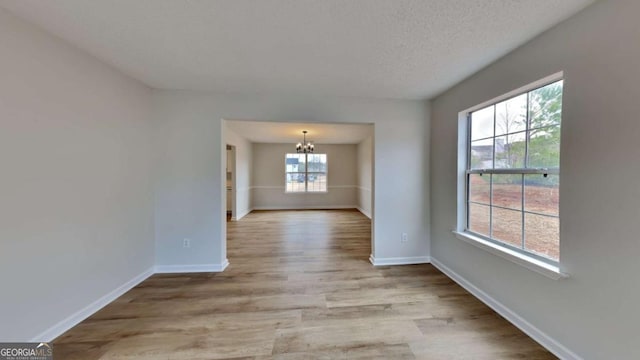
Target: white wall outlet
column 404, row 237
column 186, row 243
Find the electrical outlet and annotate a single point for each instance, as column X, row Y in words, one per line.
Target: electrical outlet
column 186, row 243
column 404, row 237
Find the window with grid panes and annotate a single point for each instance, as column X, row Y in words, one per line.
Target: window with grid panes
column 513, row 172
column 305, row 173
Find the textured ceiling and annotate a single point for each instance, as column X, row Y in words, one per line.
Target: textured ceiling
column 277, row 132
column 368, row 48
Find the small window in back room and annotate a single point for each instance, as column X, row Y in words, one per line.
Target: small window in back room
column 305, row 173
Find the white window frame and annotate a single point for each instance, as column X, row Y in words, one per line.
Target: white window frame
column 306, row 175
column 531, row 261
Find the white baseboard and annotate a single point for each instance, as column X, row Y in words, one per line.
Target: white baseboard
column 170, row 269
column 305, row 207
column 543, row 339
column 58, row 329
column 73, row 320
column 240, row 215
column 365, row 213
column 399, row 260
column 332, row 207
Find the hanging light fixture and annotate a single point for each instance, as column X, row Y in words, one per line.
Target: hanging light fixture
column 304, row 147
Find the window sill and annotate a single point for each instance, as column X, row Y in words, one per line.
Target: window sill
column 548, row 270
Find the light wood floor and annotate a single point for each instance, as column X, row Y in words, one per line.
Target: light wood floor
column 299, row 286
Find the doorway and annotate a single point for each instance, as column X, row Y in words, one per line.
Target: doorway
column 259, row 179
column 231, row 182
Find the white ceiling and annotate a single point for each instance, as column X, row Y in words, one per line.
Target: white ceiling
column 278, row 132
column 368, row 48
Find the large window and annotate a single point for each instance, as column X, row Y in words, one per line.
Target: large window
column 306, row 173
column 513, row 172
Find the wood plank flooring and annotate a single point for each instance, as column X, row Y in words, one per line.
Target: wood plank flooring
column 299, row 286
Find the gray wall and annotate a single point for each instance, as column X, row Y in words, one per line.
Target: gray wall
column 594, row 313
column 268, row 190
column 190, row 168
column 76, row 208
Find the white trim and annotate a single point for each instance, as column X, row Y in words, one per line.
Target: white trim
column 74, row 319
column 541, row 267
column 399, row 260
column 551, row 271
column 538, row 335
column 175, row 269
column 241, row 215
column 305, row 207
column 325, row 192
column 526, row 88
column 364, row 212
column 275, row 187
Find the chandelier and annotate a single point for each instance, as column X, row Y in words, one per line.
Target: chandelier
column 304, row 147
